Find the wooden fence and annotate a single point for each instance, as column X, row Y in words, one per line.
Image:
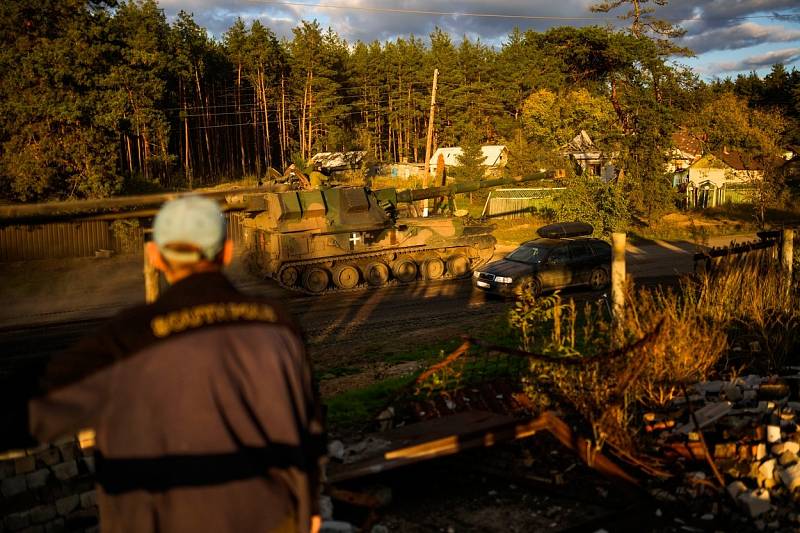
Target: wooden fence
column 748, row 255
column 81, row 239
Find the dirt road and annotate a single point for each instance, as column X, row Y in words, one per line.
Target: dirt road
column 53, row 303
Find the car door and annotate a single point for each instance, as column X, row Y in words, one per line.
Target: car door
column 556, row 271
column 582, row 261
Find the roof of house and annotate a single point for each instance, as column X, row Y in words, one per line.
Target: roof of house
column 492, row 155
column 582, row 147
column 738, row 160
column 338, row 159
column 687, row 143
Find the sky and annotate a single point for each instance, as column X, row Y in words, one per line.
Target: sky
column 728, row 36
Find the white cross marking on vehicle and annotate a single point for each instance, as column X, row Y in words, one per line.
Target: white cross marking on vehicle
column 355, row 238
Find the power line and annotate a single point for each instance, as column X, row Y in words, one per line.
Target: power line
column 402, row 11
column 277, row 121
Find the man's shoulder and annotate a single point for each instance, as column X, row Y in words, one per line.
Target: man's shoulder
column 197, row 303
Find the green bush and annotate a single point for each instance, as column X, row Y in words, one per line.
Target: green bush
column 601, row 204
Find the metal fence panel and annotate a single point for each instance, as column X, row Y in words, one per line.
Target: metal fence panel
column 82, row 239
column 518, row 203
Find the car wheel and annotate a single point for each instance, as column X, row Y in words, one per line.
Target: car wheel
column 598, row 279
column 529, row 285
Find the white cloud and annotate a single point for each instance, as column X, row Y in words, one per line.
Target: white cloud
column 711, row 24
column 739, row 36
column 784, row 56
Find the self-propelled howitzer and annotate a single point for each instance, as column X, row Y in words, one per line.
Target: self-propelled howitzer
column 346, row 238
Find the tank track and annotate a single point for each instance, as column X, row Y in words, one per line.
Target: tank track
column 363, row 284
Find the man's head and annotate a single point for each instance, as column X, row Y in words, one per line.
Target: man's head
column 188, row 237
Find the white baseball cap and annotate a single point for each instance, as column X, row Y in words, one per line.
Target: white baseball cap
column 191, row 220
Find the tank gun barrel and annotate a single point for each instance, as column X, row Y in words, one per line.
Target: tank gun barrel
column 413, row 195
column 145, row 205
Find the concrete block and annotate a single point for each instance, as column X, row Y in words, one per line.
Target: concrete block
column 759, row 451
column 752, row 381
column 773, row 434
column 731, row 392
column 88, row 499
column 13, row 486
column 7, row 469
column 766, row 471
column 68, row 450
column 707, row 415
column 724, row 450
column 710, row 387
column 326, row 508
column 791, row 476
column 65, row 471
column 88, row 463
column 788, row 446
column 736, row 488
column 787, row 458
column 43, row 513
column 755, row 501
column 56, row 526
column 66, row 505
column 23, row 465
column 38, row 479
column 336, row 526
column 17, row 521
column 50, row 456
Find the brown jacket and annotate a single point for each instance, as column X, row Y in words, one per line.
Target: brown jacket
column 204, row 414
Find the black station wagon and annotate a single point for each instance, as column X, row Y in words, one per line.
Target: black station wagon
column 562, row 257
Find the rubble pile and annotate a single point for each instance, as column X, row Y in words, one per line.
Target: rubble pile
column 741, row 434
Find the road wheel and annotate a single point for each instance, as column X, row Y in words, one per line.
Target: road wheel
column 315, row 280
column 458, row 265
column 289, row 276
column 528, row 285
column 598, row 279
column 345, row 276
column 376, row 274
column 433, row 268
column 404, row 270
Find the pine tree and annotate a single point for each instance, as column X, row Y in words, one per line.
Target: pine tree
column 470, row 160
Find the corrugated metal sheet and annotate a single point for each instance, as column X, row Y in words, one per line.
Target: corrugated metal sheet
column 81, row 239
column 75, row 239
column 518, row 203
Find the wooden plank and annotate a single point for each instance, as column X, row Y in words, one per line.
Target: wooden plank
column 438, row 438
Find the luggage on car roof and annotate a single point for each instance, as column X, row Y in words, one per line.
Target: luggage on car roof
column 564, row 230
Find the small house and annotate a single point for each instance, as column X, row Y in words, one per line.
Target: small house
column 495, row 157
column 721, row 177
column 588, row 158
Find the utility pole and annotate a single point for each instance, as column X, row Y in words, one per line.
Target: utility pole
column 429, row 142
column 617, row 285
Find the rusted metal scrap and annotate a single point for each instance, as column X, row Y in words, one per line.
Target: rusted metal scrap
column 465, row 431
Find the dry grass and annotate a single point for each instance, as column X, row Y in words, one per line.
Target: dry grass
column 698, row 332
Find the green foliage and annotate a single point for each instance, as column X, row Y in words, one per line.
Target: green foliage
column 603, row 205
column 551, row 120
column 94, row 98
column 359, row 406
column 54, row 140
column 470, row 160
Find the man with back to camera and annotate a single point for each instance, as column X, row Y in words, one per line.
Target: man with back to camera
column 202, row 402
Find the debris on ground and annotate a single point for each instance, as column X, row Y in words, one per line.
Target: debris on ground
column 738, row 446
